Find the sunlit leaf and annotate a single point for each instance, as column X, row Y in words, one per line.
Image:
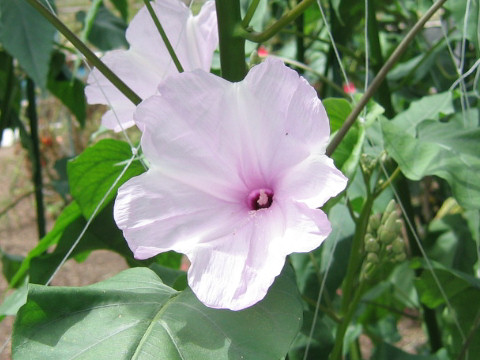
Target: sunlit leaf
column 135, row 316
column 94, row 172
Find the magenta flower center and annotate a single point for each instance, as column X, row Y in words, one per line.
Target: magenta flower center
column 260, row 199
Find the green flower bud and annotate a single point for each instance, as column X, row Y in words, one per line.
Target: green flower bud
column 390, row 222
column 398, row 246
column 371, row 244
column 385, row 235
column 398, row 226
column 373, row 223
column 390, row 207
column 372, row 258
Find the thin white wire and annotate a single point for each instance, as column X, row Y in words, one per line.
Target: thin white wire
column 335, row 50
column 87, row 225
column 465, row 75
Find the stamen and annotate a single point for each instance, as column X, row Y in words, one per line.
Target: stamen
column 260, row 199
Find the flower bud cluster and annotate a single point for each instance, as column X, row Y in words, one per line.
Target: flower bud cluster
column 368, row 163
column 383, row 240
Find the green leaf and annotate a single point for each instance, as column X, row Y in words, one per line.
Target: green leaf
column 347, row 155
column 93, row 173
column 431, row 107
column 108, row 30
column 337, row 110
column 463, row 294
column 10, row 264
column 15, row 300
column 450, row 242
column 122, row 7
column 424, row 147
column 28, row 37
column 70, row 91
column 135, row 316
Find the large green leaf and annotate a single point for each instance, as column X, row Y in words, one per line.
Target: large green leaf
column 450, row 242
column 424, row 147
column 28, row 37
column 461, row 318
column 107, row 31
column 135, row 316
column 94, row 172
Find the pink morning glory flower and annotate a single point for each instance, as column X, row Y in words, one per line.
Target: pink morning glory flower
column 237, row 172
column 147, row 62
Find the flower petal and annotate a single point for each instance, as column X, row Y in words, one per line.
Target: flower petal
column 158, row 214
column 136, row 71
column 306, row 228
column 245, row 128
column 183, row 134
column 238, row 271
column 313, row 181
column 147, row 62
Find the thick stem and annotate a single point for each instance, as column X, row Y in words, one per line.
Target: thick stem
column 337, row 351
column 381, row 76
column 35, row 158
column 80, row 46
column 232, row 46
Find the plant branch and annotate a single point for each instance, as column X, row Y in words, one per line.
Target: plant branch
column 80, row 45
column 250, row 12
column 167, row 43
column 286, row 19
column 381, row 76
column 35, row 158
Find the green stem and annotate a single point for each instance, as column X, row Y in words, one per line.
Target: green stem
column 167, row 43
column 232, row 46
column 384, row 95
column 80, row 45
column 35, row 158
column 388, row 182
column 286, row 19
column 381, row 76
column 250, row 13
column 337, row 351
